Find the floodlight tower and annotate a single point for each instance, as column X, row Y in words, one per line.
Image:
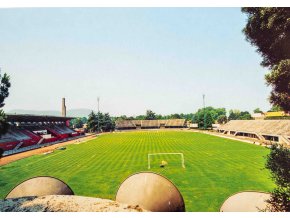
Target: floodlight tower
column 98, row 114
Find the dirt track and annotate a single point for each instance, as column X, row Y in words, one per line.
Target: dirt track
column 14, row 157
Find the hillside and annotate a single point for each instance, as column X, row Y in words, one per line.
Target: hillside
column 81, row 112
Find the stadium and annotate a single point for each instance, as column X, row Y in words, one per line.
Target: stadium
column 206, row 167
column 229, row 153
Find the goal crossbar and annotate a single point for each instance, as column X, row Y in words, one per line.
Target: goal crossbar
column 181, row 154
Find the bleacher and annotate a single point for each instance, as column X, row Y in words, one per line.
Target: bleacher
column 280, row 129
column 162, row 122
column 17, row 134
column 30, row 131
column 17, row 137
column 147, row 124
column 175, row 123
column 66, row 130
column 8, row 143
column 125, row 124
column 136, row 122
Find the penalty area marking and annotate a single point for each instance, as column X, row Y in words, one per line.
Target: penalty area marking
column 181, row 154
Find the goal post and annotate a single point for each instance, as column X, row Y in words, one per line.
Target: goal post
column 181, row 155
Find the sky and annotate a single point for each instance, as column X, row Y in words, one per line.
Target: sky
column 134, row 59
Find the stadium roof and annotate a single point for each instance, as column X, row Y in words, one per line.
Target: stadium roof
column 263, row 127
column 35, row 118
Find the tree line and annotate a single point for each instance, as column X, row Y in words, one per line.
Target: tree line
column 150, row 115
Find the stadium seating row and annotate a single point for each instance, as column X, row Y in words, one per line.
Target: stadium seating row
column 280, row 129
column 24, row 136
column 133, row 124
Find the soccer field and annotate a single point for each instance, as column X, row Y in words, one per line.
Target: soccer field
column 215, row 168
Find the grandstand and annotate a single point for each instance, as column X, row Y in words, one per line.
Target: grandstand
column 137, row 123
column 27, row 132
column 175, row 123
column 263, row 130
column 149, row 124
column 125, row 124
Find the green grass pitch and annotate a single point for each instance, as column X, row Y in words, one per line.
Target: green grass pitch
column 215, row 167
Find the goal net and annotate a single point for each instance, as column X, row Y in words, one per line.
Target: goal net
column 164, row 159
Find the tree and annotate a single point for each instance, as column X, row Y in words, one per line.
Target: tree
column 175, row 116
column 100, row 121
column 222, row 119
column 208, row 121
column 84, row 120
column 245, row 115
column 279, row 79
column 3, row 123
column 140, row 117
column 257, row 110
column 77, row 122
column 92, row 124
column 239, row 115
column 159, row 117
column 275, row 108
column 123, row 117
column 278, row 162
column 234, row 114
column 108, row 123
column 150, row 115
column 203, row 118
column 269, row 30
column 194, row 118
column 187, row 117
column 214, row 112
column 4, row 88
column 4, row 93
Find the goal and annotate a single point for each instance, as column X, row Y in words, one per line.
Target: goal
column 155, row 154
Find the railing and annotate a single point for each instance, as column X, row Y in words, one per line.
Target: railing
column 18, row 146
column 40, row 141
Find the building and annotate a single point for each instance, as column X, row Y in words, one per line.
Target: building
column 276, row 114
column 193, row 126
column 258, row 116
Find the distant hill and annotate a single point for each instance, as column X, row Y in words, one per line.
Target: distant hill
column 82, row 112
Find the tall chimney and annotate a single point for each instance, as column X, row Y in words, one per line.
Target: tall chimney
column 63, row 110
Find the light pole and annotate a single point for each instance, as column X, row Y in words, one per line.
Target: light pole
column 98, row 114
